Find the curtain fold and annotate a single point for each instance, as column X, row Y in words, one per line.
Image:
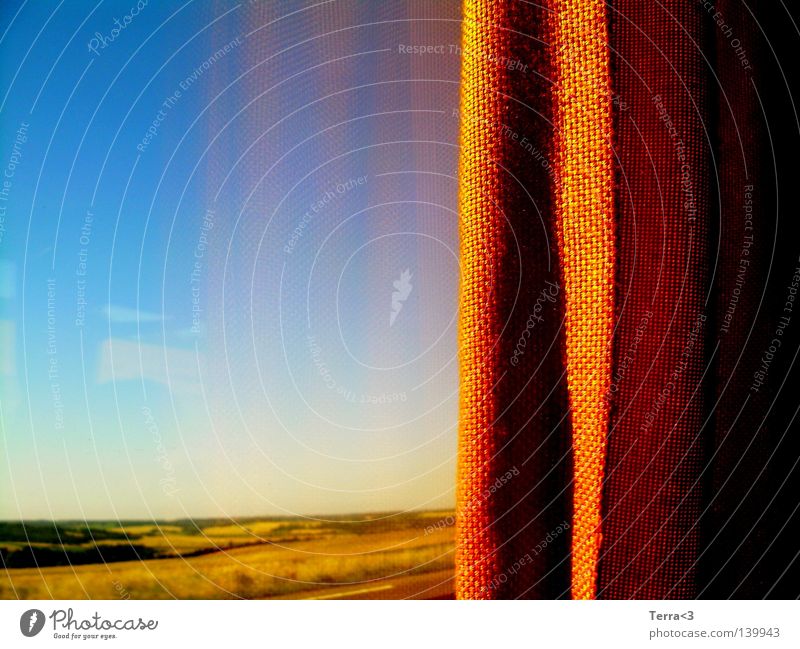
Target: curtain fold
column 624, row 302
column 664, row 153
column 513, row 481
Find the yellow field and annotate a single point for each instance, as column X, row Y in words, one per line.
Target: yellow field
column 289, row 557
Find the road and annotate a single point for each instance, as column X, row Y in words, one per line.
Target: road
column 431, row 585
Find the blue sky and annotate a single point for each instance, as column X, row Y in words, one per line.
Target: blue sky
column 203, row 220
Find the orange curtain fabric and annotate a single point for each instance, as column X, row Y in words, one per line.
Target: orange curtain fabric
column 586, row 246
column 623, row 280
column 514, row 450
column 664, row 151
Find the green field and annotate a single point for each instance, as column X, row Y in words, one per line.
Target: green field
column 217, row 558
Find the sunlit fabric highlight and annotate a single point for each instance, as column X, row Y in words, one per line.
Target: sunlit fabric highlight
column 630, row 164
column 585, row 224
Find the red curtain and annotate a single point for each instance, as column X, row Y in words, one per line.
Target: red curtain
column 627, row 336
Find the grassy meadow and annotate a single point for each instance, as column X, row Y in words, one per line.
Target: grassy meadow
column 211, row 559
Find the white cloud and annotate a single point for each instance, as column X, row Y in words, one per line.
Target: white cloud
column 121, row 314
column 128, row 360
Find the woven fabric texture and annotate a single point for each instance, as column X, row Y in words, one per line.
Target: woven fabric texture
column 514, row 468
column 652, row 489
column 627, row 318
column 585, row 226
